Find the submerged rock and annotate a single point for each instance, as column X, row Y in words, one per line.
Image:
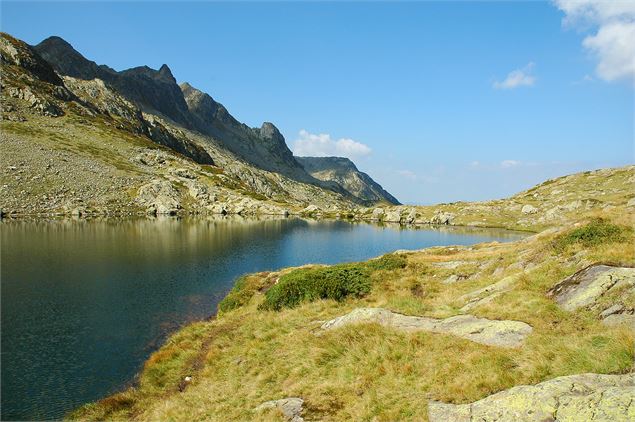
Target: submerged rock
column 478, row 330
column 584, row 397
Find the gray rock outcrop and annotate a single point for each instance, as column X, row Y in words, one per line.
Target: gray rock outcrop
column 586, row 286
column 478, row 330
column 584, row 397
column 442, row 217
column 291, row 408
column 159, row 197
column 529, row 209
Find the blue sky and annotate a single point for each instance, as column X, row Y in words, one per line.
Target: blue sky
column 438, row 101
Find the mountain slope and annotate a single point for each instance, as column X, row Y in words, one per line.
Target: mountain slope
column 77, row 145
column 156, row 92
column 344, row 172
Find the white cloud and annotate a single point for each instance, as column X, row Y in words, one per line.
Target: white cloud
column 614, row 42
column 411, row 175
column 322, row 145
column 509, row 163
column 518, row 77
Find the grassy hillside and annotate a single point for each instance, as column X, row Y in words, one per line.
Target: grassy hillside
column 270, row 340
column 551, row 203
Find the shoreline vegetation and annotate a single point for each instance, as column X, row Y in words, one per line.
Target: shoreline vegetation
column 443, row 333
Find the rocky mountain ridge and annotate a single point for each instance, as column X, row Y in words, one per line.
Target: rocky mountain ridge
column 344, row 172
column 96, row 117
column 157, row 92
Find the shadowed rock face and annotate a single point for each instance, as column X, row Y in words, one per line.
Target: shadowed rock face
column 67, row 61
column 585, row 397
column 344, row 172
column 264, row 147
column 13, row 51
column 151, row 90
column 157, row 91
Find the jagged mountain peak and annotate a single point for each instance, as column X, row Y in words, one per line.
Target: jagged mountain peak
column 269, row 131
column 68, row 61
column 157, row 92
column 165, row 71
column 16, row 52
column 164, row 74
column 55, row 40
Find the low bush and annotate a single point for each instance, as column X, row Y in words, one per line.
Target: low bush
column 387, row 262
column 305, row 285
column 597, row 232
column 336, row 282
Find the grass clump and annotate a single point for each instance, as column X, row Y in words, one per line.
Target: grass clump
column 598, row 231
column 244, row 289
column 306, row 285
column 388, row 262
column 237, row 296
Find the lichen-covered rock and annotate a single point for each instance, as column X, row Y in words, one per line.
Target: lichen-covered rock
column 393, row 216
column 586, row 286
column 584, row 397
column 529, row 209
column 623, row 318
column 159, row 197
column 378, row 214
column 291, row 408
column 478, row 330
column 442, row 217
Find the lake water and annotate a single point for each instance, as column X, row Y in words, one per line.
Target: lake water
column 85, row 302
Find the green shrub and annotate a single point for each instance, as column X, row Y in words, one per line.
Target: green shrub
column 335, row 282
column 597, row 232
column 237, row 296
column 305, row 285
column 388, row 262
